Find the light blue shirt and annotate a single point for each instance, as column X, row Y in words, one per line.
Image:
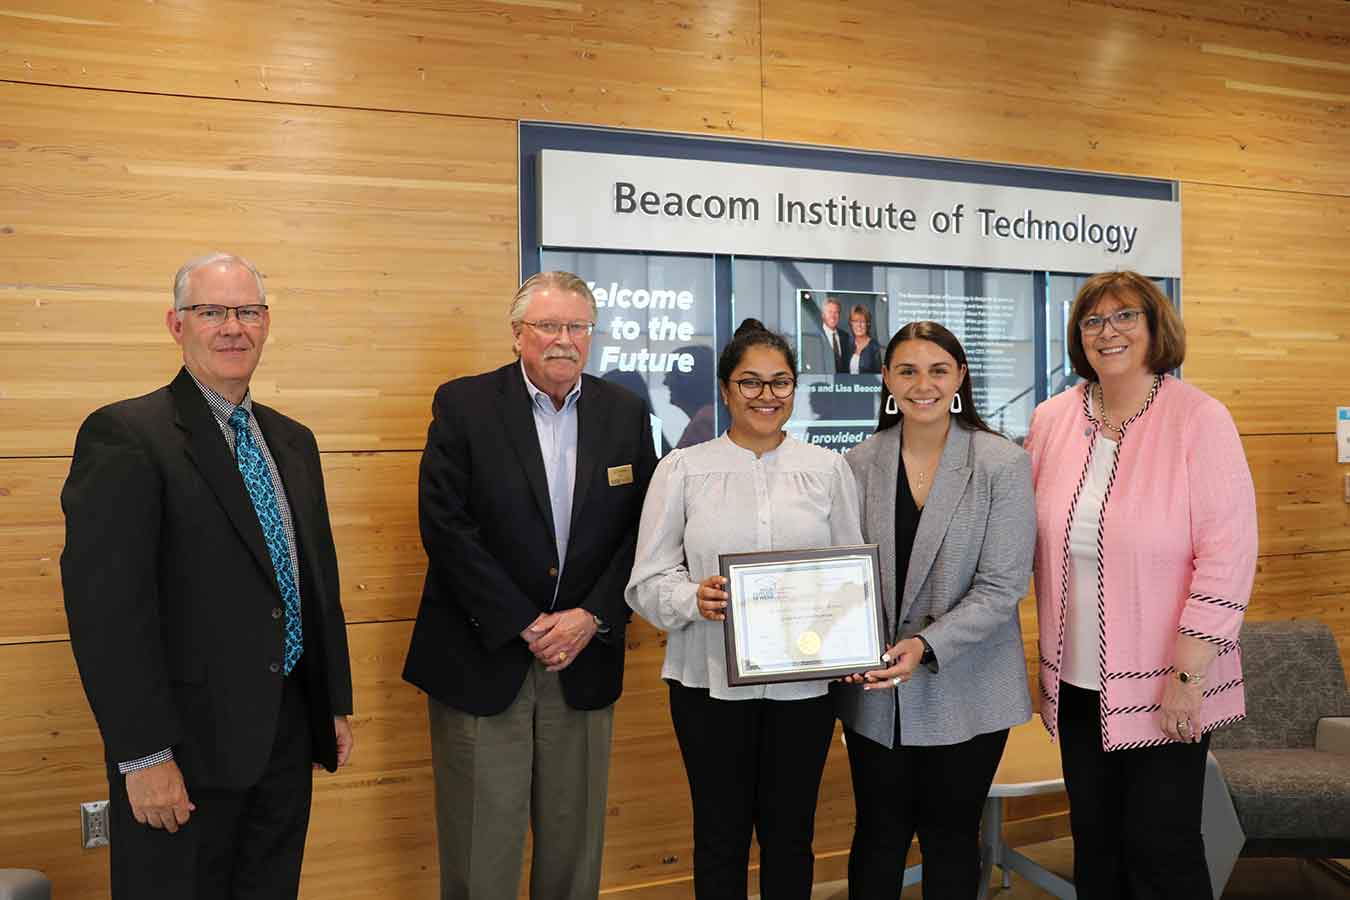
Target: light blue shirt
column 557, row 432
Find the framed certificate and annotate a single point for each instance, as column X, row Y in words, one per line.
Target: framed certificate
column 802, row 615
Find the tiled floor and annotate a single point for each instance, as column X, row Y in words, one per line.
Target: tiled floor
column 1253, row 879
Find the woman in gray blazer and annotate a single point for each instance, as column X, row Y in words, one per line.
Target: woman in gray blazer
column 950, row 503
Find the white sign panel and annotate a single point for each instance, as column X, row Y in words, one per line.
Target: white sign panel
column 615, row 202
column 1343, row 435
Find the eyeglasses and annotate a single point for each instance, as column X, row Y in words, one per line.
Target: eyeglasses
column 577, row 330
column 781, row 388
column 215, row 314
column 1122, row 320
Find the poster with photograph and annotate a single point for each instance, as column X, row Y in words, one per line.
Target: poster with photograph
column 654, row 335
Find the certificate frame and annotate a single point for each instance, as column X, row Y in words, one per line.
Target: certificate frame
column 820, row 637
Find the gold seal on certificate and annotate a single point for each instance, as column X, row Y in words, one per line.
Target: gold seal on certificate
column 802, row 615
column 808, row 642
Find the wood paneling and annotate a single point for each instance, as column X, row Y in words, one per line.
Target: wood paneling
column 32, row 533
column 336, row 145
column 1305, row 586
column 1267, row 305
column 372, row 504
column 372, row 831
column 372, row 499
column 388, row 243
column 1300, row 497
column 1107, row 87
column 684, row 65
column 51, row 761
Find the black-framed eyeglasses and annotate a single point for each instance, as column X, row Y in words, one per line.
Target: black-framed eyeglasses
column 1122, row 320
column 751, row 388
column 215, row 314
column 576, row 330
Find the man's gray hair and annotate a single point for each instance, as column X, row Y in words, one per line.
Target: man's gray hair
column 562, row 281
column 182, row 287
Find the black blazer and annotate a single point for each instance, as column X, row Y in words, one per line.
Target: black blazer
column 869, row 360
column 487, row 526
column 174, row 611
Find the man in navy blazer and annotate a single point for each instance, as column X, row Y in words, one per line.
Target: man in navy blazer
column 201, row 590
column 530, row 490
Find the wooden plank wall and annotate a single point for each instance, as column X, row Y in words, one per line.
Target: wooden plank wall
column 363, row 154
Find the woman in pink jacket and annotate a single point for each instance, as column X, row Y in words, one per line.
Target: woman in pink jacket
column 1145, row 552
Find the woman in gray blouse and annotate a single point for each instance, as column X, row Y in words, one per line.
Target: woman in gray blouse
column 753, row 754
column 949, row 502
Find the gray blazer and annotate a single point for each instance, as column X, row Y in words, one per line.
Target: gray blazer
column 969, row 568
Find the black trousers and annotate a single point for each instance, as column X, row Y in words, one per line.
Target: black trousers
column 753, row 765
column 237, row 845
column 938, row 792
column 1134, row 814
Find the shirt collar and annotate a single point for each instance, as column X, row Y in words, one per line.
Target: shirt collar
column 536, row 394
column 221, row 408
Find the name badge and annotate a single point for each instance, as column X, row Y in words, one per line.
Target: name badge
column 620, row 475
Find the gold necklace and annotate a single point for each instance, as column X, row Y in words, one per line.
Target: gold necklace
column 1101, row 406
column 920, row 474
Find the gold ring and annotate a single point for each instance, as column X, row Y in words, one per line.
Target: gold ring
column 562, row 656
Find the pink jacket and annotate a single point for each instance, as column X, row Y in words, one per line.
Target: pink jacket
column 1177, row 551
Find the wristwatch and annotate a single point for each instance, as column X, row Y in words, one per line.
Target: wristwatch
column 601, row 627
column 929, row 657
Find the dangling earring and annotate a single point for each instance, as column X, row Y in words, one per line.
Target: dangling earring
column 956, row 404
column 891, row 408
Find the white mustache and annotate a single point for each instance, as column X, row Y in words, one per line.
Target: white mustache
column 561, row 353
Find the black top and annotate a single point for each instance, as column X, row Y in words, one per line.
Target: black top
column 907, row 515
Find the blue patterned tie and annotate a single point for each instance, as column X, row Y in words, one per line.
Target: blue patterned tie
column 258, row 481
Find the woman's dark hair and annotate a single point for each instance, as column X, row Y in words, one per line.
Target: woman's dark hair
column 752, row 333
column 934, row 334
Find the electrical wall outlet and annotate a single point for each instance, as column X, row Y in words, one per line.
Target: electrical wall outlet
column 94, row 824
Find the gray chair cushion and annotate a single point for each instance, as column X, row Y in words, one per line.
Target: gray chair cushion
column 1299, row 795
column 1293, row 678
column 24, row 884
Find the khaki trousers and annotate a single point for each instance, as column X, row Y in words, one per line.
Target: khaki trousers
column 539, row 763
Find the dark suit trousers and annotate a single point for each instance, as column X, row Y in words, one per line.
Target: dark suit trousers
column 938, row 792
column 1134, row 814
column 237, row 845
column 752, row 765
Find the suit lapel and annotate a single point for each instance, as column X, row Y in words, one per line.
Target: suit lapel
column 590, row 432
column 881, row 516
column 948, row 487
column 208, row 451
column 519, row 419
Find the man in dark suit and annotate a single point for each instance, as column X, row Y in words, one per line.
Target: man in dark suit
column 826, row 347
column 838, row 340
column 201, row 589
column 530, row 492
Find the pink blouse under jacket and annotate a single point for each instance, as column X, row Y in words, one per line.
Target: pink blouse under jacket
column 1176, row 547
